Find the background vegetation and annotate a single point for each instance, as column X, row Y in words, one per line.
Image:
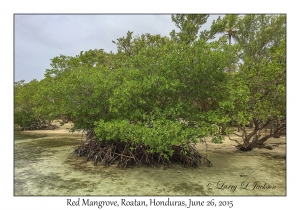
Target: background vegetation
column 170, row 91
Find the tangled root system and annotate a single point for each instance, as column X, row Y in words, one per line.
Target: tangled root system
column 124, row 155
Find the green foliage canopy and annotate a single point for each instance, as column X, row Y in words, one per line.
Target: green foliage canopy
column 140, row 93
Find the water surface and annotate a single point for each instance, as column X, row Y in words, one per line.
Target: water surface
column 45, row 165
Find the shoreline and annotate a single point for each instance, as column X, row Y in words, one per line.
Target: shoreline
column 62, row 129
column 278, row 144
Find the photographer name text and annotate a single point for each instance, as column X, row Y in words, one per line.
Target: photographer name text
column 223, row 185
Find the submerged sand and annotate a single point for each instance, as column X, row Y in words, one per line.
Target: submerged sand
column 44, row 165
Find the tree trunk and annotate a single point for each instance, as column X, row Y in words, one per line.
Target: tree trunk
column 248, row 145
column 253, row 139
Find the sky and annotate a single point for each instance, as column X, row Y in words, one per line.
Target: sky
column 39, row 38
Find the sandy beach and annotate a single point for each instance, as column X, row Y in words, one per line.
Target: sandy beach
column 278, row 144
column 62, row 129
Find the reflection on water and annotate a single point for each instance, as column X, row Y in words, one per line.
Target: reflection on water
column 44, row 165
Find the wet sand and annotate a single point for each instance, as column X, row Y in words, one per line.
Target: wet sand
column 64, row 129
column 44, row 165
column 278, row 144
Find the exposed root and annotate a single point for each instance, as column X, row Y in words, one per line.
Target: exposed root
column 190, row 157
column 124, row 155
column 250, row 148
column 40, row 127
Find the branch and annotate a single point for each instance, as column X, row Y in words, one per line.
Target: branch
column 265, row 138
column 234, row 140
column 242, row 129
column 256, row 128
column 276, row 132
column 239, row 135
column 281, row 127
column 266, row 124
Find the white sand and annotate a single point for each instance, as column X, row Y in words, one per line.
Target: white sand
column 64, row 129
